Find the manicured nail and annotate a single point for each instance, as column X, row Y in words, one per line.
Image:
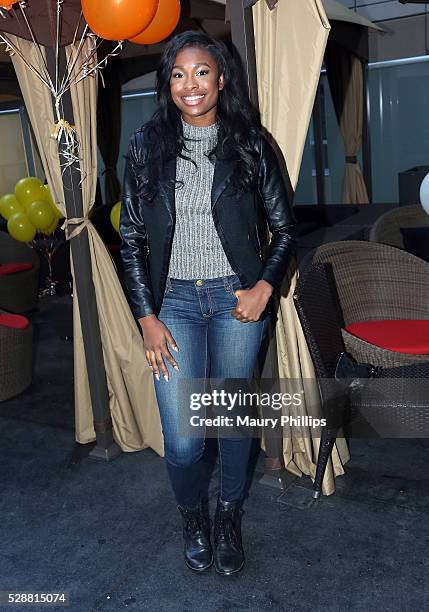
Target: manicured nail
column 166, row 377
column 156, row 375
column 176, row 367
column 175, row 348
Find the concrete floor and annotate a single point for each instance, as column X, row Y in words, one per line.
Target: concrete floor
column 108, row 534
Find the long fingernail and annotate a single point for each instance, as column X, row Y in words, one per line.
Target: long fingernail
column 166, row 377
column 175, row 348
column 156, row 375
column 176, row 367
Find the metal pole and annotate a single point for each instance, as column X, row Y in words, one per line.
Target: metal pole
column 243, row 39
column 318, row 148
column 105, row 446
column 26, row 138
column 366, row 137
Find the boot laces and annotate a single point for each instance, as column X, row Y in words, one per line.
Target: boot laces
column 193, row 522
column 226, row 529
column 193, row 525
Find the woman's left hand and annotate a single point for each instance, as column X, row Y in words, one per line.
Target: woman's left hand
column 252, row 302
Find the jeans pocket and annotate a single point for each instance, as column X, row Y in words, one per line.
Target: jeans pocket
column 234, row 284
column 168, row 286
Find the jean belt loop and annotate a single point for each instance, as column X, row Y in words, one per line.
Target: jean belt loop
column 226, row 284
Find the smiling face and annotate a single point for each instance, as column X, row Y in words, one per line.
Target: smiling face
column 195, row 84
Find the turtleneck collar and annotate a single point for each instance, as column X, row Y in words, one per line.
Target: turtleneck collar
column 200, row 133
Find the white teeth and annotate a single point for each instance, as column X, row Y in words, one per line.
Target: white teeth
column 193, row 97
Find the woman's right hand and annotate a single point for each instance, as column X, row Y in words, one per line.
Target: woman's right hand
column 155, row 337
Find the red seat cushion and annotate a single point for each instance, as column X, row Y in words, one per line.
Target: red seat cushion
column 13, row 268
column 14, row 320
column 402, row 335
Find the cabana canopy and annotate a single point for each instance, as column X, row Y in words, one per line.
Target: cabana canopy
column 125, row 372
column 210, row 15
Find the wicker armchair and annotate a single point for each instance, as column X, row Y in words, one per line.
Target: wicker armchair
column 18, row 292
column 387, row 228
column 377, row 282
column 16, row 360
column 395, row 403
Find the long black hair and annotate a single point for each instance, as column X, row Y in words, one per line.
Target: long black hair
column 163, row 134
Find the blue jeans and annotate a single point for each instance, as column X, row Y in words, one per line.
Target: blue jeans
column 212, row 343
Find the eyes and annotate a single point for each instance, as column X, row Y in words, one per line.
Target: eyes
column 201, row 72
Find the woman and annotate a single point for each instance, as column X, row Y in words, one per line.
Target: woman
column 197, row 283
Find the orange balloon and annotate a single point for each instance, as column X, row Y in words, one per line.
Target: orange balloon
column 162, row 25
column 118, row 19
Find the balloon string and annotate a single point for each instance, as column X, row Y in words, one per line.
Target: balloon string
column 13, row 49
column 70, row 57
column 87, row 71
column 22, row 6
column 57, row 43
column 81, row 63
column 65, row 83
column 66, row 136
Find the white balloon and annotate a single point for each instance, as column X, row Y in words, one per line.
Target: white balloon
column 424, row 193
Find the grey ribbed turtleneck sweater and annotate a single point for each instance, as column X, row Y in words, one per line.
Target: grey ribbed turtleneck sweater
column 196, row 251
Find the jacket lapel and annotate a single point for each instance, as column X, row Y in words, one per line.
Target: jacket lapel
column 224, row 169
column 168, row 176
column 223, row 172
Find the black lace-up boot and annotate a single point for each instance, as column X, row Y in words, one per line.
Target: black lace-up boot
column 196, row 536
column 228, row 549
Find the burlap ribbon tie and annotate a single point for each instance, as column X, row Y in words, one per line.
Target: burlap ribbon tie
column 351, row 159
column 79, row 222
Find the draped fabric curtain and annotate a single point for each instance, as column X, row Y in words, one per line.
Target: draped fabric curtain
column 132, row 400
column 290, row 41
column 345, row 76
column 38, row 102
column 109, row 128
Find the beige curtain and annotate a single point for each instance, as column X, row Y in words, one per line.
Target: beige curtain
column 345, row 74
column 290, row 41
column 133, row 406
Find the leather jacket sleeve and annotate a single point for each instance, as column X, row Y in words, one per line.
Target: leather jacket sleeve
column 279, row 214
column 134, row 250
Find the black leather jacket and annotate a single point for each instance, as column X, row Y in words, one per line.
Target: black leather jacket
column 147, row 231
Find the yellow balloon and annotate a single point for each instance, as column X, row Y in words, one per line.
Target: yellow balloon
column 51, row 229
column 20, row 227
column 115, row 215
column 29, row 190
column 9, row 205
column 50, row 199
column 40, row 214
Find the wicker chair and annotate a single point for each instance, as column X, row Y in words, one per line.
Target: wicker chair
column 16, row 360
column 377, row 282
column 387, row 228
column 393, row 404
column 18, row 292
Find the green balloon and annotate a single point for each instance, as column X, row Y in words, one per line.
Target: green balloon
column 20, row 227
column 115, row 215
column 29, row 190
column 9, row 205
column 51, row 229
column 40, row 214
column 50, row 200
